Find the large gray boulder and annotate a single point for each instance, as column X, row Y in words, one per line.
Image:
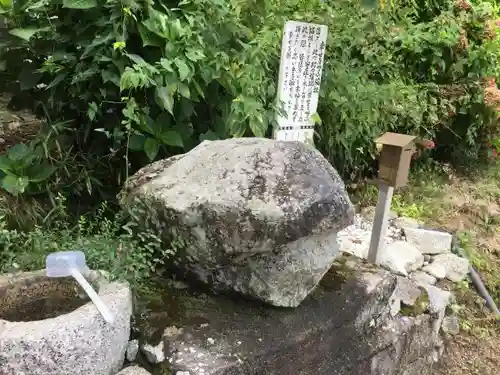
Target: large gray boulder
column 48, row 328
column 253, row 215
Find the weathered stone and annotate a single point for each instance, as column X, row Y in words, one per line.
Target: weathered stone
column 429, row 241
column 438, row 301
column 47, row 331
column 132, row 350
column 451, row 325
column 406, row 292
column 456, row 267
column 154, row 354
column 403, row 346
column 341, row 328
column 133, row 370
column 406, row 222
column 355, row 239
column 401, row 257
column 435, row 269
column 422, row 278
column 256, row 216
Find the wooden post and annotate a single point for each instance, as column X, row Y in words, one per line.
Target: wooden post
column 394, row 165
column 380, row 222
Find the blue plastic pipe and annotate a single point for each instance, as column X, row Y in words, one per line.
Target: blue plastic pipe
column 476, row 280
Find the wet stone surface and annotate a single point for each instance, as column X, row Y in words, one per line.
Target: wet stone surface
column 39, row 299
column 339, row 328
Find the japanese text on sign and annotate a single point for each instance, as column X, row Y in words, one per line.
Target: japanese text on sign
column 301, row 68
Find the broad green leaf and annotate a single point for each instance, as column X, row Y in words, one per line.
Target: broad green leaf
column 258, row 127
column 26, row 33
column 41, row 173
column 316, row 119
column 148, row 38
column 110, row 76
column 164, row 120
column 136, row 142
column 151, row 148
column 136, row 59
column 92, row 111
column 166, row 64
column 18, row 152
column 59, row 78
column 194, row 54
column 150, row 126
column 79, row 4
column 158, row 23
column 165, row 99
column 182, row 67
column 184, row 90
column 97, row 42
column 172, row 138
column 5, row 6
column 6, row 164
column 15, row 185
column 130, row 79
column 198, row 89
column 3, row 65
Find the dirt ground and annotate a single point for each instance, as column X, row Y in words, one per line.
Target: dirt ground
column 474, row 208
column 15, row 126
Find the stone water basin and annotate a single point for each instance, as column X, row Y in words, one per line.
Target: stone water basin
column 49, row 327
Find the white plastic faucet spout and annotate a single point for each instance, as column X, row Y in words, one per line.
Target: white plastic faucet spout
column 103, row 309
column 72, row 263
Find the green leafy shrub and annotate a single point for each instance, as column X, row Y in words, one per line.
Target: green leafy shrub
column 117, row 246
column 22, row 168
column 139, row 80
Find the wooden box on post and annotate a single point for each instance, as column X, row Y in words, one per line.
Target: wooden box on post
column 395, row 158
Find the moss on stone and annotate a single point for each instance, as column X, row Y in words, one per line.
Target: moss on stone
column 337, row 275
column 420, row 306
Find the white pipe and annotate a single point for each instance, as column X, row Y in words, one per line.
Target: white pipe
column 103, row 309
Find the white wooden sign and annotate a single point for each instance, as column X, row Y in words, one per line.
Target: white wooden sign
column 301, row 68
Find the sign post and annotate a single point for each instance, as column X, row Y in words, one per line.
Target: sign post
column 301, row 68
column 394, row 166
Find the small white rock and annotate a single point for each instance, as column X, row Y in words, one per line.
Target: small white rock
column 182, row 373
column 451, row 325
column 435, row 269
column 133, row 370
column 438, row 301
column 429, row 241
column 456, row 267
column 211, row 341
column 422, row 278
column 401, row 257
column 132, row 350
column 154, row 354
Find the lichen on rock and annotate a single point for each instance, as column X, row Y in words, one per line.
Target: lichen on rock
column 255, row 216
